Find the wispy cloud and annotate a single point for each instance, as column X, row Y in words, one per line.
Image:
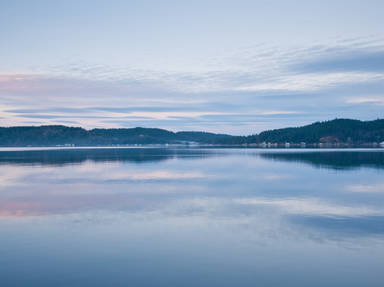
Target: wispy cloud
column 345, row 61
column 366, row 100
column 243, row 92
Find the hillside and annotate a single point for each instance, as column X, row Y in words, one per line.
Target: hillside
column 335, row 131
column 338, row 131
column 62, row 135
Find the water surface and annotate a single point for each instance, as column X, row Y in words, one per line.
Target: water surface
column 191, row 217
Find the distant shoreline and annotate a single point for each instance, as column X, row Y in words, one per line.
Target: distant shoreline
column 337, row 133
column 171, row 146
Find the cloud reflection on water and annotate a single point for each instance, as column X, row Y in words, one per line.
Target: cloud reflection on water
column 238, row 186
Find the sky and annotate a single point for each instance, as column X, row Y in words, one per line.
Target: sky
column 235, row 67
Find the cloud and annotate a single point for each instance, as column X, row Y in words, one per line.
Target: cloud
column 255, row 89
column 312, row 82
column 366, row 100
column 371, row 61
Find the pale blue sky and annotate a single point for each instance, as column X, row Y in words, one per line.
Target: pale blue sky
column 223, row 66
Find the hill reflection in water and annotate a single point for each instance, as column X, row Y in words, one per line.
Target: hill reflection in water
column 339, row 160
column 59, row 157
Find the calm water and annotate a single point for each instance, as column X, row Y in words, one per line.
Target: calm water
column 191, row 217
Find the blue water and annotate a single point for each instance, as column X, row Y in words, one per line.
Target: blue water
column 191, row 217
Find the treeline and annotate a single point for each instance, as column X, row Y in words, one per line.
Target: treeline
column 345, row 131
column 335, row 131
column 62, row 135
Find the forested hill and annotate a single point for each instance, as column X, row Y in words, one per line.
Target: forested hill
column 335, row 131
column 62, row 135
column 338, row 131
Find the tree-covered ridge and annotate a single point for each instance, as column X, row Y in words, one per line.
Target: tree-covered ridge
column 338, row 131
column 335, row 131
column 62, row 135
